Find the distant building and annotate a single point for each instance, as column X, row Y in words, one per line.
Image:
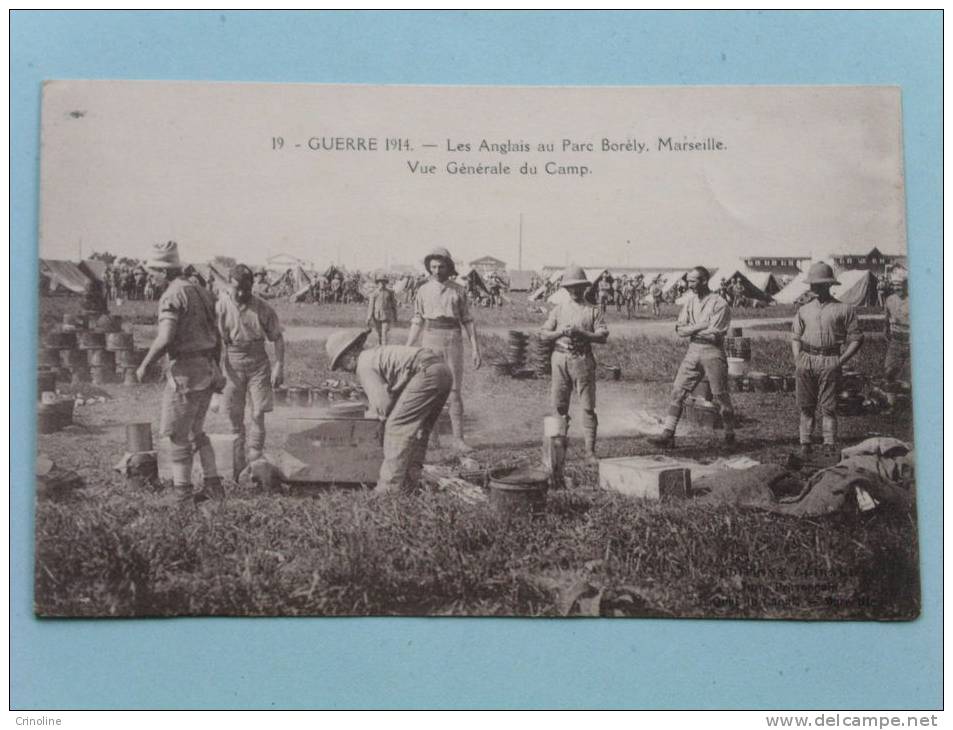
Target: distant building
column 874, row 261
column 487, row 264
column 778, row 265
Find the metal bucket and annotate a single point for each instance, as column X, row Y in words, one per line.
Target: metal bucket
column 737, row 366
column 48, row 357
column 138, row 437
column 518, row 492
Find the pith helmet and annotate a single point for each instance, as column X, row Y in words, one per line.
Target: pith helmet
column 821, row 273
column 380, row 276
column 340, row 343
column 573, row 276
column 164, row 255
column 441, row 253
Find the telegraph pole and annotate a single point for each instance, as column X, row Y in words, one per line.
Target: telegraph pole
column 519, row 258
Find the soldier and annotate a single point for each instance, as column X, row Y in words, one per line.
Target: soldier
column 604, row 292
column 245, row 322
column 703, row 321
column 381, row 309
column 897, row 327
column 617, row 295
column 629, row 294
column 655, row 291
column 738, row 298
column 406, row 389
column 573, row 326
column 440, row 309
column 822, row 327
column 883, row 290
column 188, row 335
column 261, row 287
column 336, row 285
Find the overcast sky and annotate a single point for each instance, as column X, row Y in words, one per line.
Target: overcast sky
column 802, row 170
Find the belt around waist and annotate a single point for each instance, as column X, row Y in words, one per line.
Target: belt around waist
column 210, row 353
column 824, row 351
column 441, row 324
column 571, row 349
column 246, row 348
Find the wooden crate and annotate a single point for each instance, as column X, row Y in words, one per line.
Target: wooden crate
column 331, row 450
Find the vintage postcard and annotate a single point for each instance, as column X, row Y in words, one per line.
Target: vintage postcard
column 473, row 351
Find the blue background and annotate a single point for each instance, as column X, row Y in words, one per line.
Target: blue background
column 311, row 663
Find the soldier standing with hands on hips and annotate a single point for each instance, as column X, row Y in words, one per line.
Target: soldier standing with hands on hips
column 246, row 322
column 441, row 311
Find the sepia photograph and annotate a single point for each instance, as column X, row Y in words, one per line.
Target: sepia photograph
column 535, row 351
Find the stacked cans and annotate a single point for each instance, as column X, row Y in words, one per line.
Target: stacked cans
column 538, row 356
column 516, row 349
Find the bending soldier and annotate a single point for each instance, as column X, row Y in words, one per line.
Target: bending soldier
column 406, row 388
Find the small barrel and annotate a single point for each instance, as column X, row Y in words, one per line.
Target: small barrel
column 89, row 340
column 80, row 374
column 138, row 437
column 119, row 341
column 46, row 381
column 129, row 358
column 47, row 357
column 128, row 376
column 73, row 358
column 519, row 492
column 58, row 340
column 102, row 375
column 102, row 358
column 53, row 417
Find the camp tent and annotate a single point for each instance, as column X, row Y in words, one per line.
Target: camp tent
column 765, row 281
column 729, row 271
column 94, row 269
column 470, row 278
column 857, row 287
column 63, row 274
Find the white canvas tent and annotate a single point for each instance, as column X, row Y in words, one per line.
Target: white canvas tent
column 729, row 270
column 856, row 286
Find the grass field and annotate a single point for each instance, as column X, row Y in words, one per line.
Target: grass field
column 110, row 550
